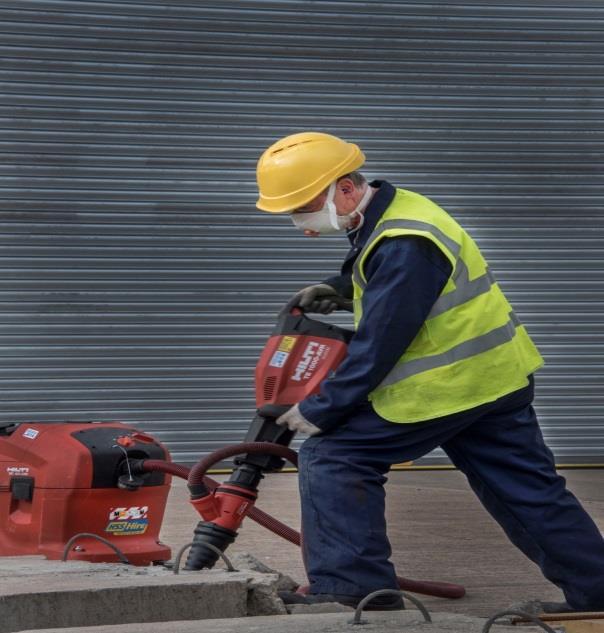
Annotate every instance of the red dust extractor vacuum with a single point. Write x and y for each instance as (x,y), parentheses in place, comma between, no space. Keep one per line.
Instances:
(58,480)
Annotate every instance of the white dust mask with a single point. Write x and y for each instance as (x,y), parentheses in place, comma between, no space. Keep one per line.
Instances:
(326,220)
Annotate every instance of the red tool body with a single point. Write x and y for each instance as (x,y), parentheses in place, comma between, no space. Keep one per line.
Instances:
(58,480)
(296,359)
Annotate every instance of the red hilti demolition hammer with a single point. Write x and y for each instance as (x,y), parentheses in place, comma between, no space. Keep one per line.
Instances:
(300,353)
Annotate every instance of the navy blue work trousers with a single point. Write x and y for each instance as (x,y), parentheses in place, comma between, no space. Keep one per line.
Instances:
(501,451)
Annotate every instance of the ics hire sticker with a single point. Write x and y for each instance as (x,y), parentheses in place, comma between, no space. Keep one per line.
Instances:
(127,521)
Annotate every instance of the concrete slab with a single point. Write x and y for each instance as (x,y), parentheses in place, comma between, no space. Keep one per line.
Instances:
(374,622)
(36,593)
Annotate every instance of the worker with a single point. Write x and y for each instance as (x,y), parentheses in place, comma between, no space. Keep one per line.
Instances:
(438,358)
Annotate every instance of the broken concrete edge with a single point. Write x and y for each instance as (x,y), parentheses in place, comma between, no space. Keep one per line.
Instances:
(244,560)
(262,597)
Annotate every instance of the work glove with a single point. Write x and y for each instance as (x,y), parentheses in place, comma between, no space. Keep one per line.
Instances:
(320,298)
(295,421)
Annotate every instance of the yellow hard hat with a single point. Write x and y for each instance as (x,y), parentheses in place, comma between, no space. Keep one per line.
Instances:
(296,169)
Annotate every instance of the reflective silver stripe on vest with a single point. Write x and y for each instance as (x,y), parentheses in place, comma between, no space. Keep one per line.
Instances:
(414,225)
(464,291)
(464,350)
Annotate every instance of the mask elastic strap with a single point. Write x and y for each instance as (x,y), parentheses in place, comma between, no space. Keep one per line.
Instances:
(359,209)
(329,203)
(357,227)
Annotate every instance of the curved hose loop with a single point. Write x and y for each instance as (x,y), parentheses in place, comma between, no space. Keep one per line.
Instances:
(74,538)
(527,616)
(184,548)
(389,592)
(199,470)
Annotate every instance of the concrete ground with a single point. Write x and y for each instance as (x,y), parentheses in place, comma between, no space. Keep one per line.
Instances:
(374,622)
(438,531)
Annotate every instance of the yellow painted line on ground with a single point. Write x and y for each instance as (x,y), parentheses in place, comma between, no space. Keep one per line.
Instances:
(415,467)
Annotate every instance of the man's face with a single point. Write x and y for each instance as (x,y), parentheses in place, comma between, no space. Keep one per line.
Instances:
(345,199)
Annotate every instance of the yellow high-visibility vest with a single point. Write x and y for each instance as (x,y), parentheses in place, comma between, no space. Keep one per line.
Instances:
(472,349)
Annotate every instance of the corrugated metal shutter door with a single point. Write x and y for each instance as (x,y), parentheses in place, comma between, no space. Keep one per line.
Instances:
(138,282)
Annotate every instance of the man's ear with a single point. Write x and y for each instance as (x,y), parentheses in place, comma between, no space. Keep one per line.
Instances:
(346,186)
